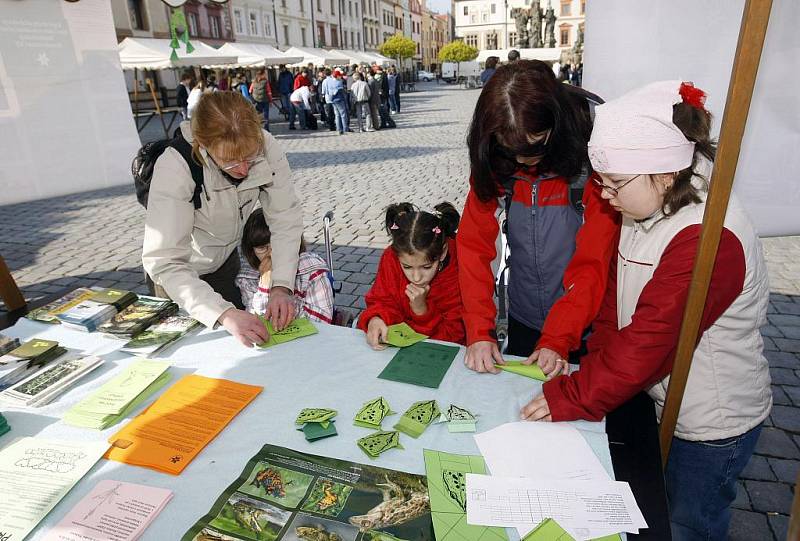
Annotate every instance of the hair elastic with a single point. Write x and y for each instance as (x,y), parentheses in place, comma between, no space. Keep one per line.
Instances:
(437,230)
(394,226)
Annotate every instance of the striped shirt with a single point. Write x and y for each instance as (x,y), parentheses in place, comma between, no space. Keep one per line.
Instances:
(313,294)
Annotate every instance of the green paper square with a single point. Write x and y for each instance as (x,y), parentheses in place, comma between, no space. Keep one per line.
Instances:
(298,328)
(315,431)
(424,364)
(402,335)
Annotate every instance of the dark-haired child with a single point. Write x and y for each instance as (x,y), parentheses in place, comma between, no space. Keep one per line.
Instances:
(313,295)
(417,281)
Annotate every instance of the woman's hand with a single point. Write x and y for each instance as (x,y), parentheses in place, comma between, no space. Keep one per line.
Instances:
(280,308)
(376,333)
(244,326)
(549,361)
(482,356)
(536,410)
(418,295)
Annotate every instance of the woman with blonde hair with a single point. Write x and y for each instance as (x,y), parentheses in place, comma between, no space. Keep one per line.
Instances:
(189,250)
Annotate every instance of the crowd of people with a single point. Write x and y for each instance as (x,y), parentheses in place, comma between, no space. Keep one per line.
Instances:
(603,204)
(347,99)
(565,73)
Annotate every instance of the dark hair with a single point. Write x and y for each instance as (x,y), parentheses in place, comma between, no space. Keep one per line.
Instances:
(413,230)
(491,62)
(256,233)
(695,123)
(513,55)
(328,72)
(521,99)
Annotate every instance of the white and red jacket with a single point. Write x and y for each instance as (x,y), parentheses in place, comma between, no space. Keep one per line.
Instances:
(636,333)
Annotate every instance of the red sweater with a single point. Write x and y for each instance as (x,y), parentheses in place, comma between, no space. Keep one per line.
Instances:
(387,299)
(584,279)
(300,81)
(623,362)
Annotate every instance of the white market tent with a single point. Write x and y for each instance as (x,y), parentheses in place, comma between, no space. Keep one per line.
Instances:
(546,54)
(257,55)
(154,54)
(363,57)
(318,57)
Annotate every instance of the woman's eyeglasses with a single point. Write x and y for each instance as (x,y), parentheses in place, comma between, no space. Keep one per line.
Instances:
(230,166)
(611,189)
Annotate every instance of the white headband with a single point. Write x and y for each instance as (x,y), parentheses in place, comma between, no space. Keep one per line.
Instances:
(634,134)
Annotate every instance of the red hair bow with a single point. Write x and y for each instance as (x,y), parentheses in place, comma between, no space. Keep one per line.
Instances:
(693,95)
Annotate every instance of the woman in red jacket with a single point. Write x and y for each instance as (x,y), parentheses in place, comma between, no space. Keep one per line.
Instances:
(417,281)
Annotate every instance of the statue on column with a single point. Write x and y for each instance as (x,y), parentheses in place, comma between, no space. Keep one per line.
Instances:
(550,26)
(521,17)
(536,25)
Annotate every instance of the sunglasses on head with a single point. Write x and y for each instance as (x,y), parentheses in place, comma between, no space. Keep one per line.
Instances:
(532,150)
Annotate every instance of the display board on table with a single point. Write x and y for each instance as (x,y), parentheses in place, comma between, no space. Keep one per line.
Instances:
(65,119)
(627,47)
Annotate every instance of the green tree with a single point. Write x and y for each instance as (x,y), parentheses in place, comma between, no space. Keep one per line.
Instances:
(457,51)
(398,47)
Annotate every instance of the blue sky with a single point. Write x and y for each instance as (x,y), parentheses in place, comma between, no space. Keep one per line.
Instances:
(440,6)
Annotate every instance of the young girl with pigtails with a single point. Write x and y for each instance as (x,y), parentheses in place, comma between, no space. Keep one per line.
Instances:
(417,280)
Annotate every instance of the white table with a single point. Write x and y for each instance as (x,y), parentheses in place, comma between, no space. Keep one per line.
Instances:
(334,369)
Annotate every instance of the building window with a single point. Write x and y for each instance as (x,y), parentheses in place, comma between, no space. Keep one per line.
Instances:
(320,35)
(356,10)
(350,8)
(583,7)
(334,36)
(319,5)
(191,20)
(137,15)
(333,7)
(494,9)
(358,38)
(238,21)
(566,8)
(471,39)
(473,18)
(268,25)
(213,23)
(466,11)
(302,6)
(303,35)
(512,39)
(286,34)
(565,29)
(484,17)
(254,24)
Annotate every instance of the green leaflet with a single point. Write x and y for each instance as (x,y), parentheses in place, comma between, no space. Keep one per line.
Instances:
(379,442)
(315,415)
(372,413)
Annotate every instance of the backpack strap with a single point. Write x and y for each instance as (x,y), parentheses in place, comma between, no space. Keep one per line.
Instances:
(185,149)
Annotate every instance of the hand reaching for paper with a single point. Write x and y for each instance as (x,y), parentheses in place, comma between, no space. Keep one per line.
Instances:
(377,332)
(246,327)
(482,356)
(536,410)
(549,361)
(280,308)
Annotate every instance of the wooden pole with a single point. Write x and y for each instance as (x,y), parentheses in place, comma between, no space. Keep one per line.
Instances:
(794,518)
(158,106)
(9,292)
(136,94)
(740,90)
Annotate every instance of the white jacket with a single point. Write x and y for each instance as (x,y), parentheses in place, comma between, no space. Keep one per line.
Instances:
(728,391)
(181,243)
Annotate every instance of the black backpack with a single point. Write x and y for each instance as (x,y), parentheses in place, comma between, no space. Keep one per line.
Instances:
(145,161)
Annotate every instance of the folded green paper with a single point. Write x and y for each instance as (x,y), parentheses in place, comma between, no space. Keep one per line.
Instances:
(550,530)
(372,413)
(318,431)
(379,442)
(528,370)
(315,415)
(298,328)
(417,418)
(402,335)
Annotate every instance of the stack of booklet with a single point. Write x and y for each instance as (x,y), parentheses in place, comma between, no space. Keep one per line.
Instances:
(3,425)
(7,344)
(49,382)
(100,307)
(138,316)
(49,312)
(26,359)
(118,397)
(160,336)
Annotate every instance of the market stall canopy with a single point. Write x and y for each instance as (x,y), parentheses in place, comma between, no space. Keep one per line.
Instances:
(154,54)
(546,54)
(256,55)
(354,57)
(318,57)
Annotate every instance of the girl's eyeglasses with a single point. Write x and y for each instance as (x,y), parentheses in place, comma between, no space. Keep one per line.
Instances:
(611,189)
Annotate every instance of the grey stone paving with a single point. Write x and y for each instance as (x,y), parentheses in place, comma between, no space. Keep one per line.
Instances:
(94,239)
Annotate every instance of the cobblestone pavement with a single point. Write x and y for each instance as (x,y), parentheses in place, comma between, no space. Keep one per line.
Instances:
(94,239)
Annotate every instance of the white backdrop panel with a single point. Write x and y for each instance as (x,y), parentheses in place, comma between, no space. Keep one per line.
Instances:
(630,43)
(65,121)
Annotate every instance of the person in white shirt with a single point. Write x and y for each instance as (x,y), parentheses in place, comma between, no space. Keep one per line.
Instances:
(301,101)
(194,97)
(361,95)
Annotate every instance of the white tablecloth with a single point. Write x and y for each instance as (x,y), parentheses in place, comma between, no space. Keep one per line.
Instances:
(334,369)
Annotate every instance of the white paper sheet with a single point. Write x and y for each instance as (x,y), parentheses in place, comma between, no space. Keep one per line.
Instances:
(586,509)
(36,474)
(541,451)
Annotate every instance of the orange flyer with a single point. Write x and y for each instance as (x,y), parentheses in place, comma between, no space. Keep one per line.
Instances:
(176,427)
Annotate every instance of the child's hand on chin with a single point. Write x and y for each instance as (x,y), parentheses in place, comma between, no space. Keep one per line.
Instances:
(377,332)
(418,296)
